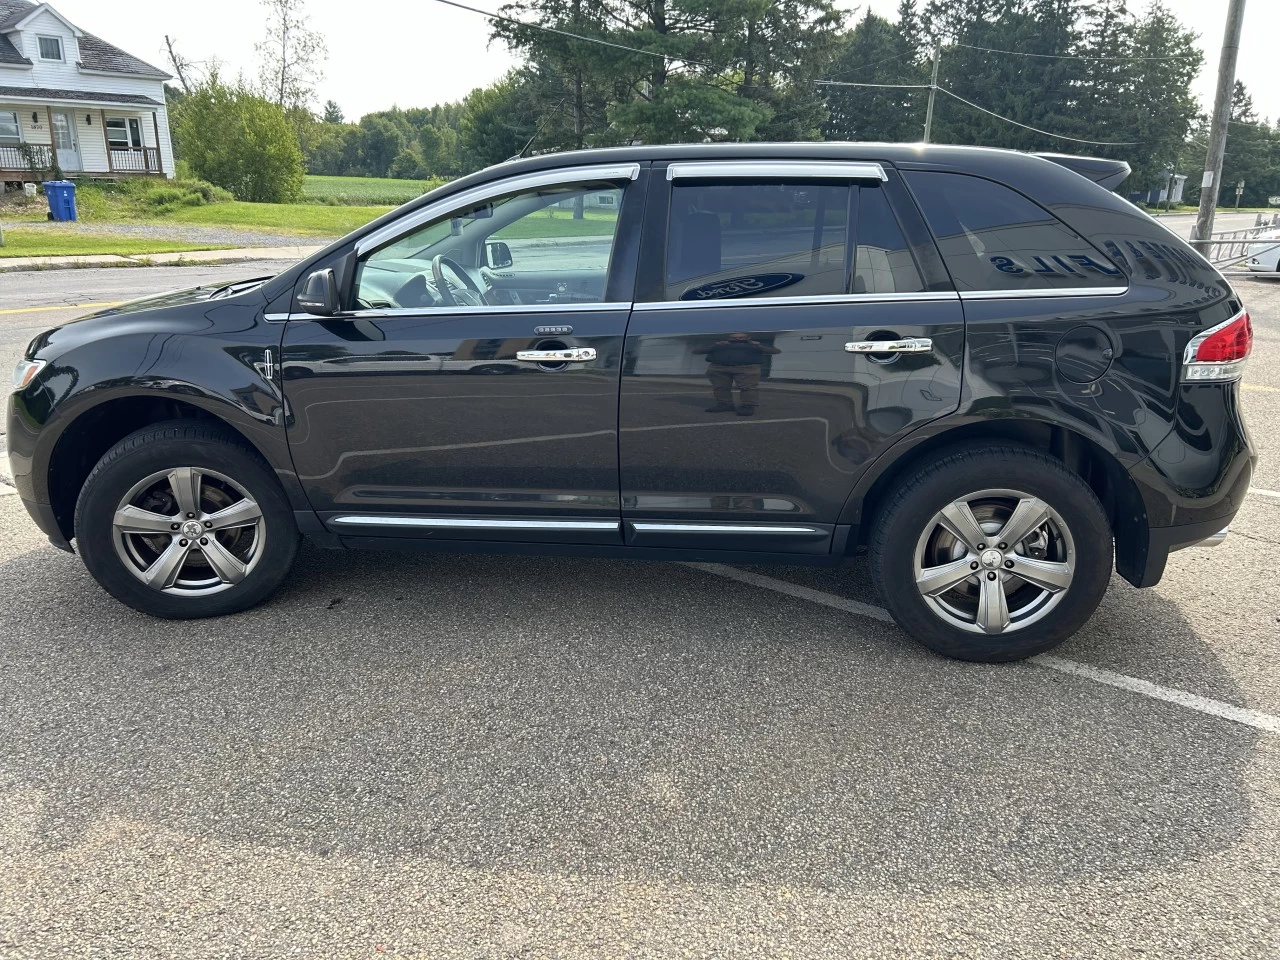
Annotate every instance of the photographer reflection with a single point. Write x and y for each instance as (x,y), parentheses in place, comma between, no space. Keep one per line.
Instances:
(735,363)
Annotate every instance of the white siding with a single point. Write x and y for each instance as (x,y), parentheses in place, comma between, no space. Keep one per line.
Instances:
(47,73)
(68,76)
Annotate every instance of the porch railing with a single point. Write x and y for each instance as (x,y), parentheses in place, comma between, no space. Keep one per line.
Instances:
(134,160)
(12,158)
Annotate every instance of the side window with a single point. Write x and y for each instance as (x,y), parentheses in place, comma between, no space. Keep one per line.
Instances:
(754,239)
(536,246)
(993,238)
(882,261)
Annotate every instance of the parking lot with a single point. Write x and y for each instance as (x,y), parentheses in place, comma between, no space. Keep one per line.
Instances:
(468,756)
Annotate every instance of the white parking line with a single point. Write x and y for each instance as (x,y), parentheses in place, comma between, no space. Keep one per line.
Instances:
(1259,492)
(1191,701)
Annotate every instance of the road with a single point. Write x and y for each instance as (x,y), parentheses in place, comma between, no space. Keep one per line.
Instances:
(464,756)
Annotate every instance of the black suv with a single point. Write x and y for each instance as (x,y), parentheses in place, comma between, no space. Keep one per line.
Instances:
(980,366)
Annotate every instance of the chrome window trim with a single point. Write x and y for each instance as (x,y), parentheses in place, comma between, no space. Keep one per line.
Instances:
(739,169)
(471,523)
(747,528)
(1046,292)
(495,188)
(835,298)
(502,308)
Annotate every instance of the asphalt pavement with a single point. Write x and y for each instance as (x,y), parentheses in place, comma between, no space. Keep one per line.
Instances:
(465,756)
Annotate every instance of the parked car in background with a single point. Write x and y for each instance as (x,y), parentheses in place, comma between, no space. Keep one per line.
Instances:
(1264,255)
(981,367)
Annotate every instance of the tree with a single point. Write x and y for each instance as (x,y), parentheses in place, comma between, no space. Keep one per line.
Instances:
(876,51)
(381,141)
(332,112)
(291,55)
(497,121)
(238,140)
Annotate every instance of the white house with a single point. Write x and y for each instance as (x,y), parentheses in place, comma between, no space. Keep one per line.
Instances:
(61,89)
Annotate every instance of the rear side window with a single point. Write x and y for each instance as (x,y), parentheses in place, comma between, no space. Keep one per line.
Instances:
(745,239)
(882,261)
(993,238)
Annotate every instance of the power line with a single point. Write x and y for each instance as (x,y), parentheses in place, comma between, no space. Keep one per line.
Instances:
(1057,136)
(1070,56)
(887,86)
(575,36)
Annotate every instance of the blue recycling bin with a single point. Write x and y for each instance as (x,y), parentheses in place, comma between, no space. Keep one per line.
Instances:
(62,199)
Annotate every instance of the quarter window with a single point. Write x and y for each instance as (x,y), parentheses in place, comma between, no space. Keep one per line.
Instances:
(548,245)
(10,132)
(50,48)
(993,238)
(743,239)
(882,262)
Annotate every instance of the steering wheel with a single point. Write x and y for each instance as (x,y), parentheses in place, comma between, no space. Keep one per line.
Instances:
(467,295)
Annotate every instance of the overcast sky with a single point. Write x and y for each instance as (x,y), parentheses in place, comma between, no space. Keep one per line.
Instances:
(418,52)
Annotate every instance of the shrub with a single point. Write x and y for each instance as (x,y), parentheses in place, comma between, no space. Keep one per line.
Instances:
(241,142)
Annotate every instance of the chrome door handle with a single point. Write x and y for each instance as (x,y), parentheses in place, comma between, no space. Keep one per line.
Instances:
(909,345)
(567,355)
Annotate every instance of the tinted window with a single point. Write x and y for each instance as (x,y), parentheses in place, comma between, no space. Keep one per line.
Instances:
(745,239)
(559,240)
(993,238)
(882,262)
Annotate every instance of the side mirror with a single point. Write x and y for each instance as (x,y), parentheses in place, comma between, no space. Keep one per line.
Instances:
(497,255)
(319,294)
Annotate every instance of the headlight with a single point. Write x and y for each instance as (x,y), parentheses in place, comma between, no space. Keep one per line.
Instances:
(26,371)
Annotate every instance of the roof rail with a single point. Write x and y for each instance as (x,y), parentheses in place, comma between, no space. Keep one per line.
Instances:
(1103,172)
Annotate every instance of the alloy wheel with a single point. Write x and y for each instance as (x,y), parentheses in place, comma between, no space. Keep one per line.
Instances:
(994,561)
(189,531)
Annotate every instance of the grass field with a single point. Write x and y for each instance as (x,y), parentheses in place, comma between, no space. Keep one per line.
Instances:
(364,191)
(300,218)
(554,222)
(19,242)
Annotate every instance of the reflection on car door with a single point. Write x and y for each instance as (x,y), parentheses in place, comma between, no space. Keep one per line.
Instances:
(426,421)
(750,400)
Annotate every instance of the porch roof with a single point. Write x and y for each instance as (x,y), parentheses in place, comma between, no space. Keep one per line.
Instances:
(91,97)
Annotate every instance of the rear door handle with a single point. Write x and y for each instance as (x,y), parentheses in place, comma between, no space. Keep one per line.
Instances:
(909,345)
(567,355)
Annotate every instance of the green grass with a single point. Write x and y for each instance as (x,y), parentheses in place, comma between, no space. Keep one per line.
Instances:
(301,218)
(26,242)
(364,191)
(554,222)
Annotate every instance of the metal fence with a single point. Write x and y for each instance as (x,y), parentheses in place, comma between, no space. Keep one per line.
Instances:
(1235,246)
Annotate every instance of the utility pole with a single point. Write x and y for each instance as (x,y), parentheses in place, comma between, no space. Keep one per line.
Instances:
(933,91)
(1209,185)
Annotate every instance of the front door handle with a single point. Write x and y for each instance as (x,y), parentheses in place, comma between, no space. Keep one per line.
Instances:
(567,355)
(909,345)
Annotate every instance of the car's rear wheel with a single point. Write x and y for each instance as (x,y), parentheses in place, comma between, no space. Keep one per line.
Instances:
(180,520)
(992,553)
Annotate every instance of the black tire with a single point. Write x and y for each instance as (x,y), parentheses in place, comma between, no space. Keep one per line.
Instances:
(955,474)
(165,446)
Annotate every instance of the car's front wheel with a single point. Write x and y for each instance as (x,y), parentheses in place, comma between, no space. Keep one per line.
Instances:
(180,520)
(992,553)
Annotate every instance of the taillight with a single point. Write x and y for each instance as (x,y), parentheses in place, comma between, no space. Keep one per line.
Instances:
(1219,353)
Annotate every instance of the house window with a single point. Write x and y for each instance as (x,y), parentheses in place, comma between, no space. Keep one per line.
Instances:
(605,200)
(123,133)
(50,48)
(10,132)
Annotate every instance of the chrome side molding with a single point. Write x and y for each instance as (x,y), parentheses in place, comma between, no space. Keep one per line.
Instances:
(471,523)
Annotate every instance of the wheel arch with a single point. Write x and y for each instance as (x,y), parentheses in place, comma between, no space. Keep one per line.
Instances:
(1098,467)
(96,429)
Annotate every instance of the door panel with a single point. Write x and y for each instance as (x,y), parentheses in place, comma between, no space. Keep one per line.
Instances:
(823,414)
(433,416)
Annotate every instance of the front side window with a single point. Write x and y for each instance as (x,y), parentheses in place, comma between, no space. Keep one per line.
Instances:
(10,132)
(546,245)
(50,48)
(745,239)
(993,238)
(882,261)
